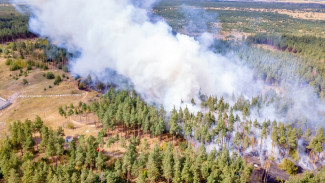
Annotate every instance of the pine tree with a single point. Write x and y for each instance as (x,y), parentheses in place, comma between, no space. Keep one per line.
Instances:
(173,123)
(231,122)
(153,164)
(186,173)
(263,132)
(91,177)
(247,142)
(274,136)
(177,178)
(128,159)
(118,168)
(282,135)
(317,142)
(83,175)
(91,155)
(13,176)
(74,178)
(28,144)
(38,124)
(307,135)
(44,134)
(160,127)
(100,138)
(50,149)
(299,133)
(292,140)
(237,141)
(80,156)
(167,163)
(320,135)
(141,178)
(28,169)
(100,161)
(59,147)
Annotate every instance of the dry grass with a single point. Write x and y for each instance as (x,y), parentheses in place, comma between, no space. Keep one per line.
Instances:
(307,15)
(46,108)
(302,1)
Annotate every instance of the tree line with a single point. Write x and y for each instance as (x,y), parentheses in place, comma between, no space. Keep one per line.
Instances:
(13,26)
(37,153)
(308,46)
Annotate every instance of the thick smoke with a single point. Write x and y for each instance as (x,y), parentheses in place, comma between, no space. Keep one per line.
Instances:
(118,43)
(117,35)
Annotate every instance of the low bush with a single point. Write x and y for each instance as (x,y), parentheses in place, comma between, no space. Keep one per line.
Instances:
(288,166)
(49,75)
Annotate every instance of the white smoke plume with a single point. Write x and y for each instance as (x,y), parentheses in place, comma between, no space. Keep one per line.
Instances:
(117,35)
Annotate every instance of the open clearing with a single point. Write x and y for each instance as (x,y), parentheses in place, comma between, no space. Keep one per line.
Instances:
(32,99)
(307,15)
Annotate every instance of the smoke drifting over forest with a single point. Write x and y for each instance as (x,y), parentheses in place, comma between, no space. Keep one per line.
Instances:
(119,36)
(117,42)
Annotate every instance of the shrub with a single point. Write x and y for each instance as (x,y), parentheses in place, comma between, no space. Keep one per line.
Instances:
(65,69)
(100,86)
(57,80)
(49,75)
(6,51)
(70,125)
(25,82)
(14,66)
(8,61)
(294,154)
(30,62)
(123,142)
(45,67)
(29,67)
(82,86)
(288,166)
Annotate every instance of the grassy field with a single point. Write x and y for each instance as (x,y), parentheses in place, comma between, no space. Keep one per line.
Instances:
(45,107)
(245,17)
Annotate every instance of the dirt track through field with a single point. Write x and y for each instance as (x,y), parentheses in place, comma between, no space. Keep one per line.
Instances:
(16,95)
(49,96)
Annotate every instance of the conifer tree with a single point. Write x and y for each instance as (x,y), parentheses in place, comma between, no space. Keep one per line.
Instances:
(100,161)
(128,159)
(153,165)
(292,139)
(80,156)
(74,178)
(173,123)
(167,163)
(246,142)
(274,136)
(160,127)
(38,124)
(263,132)
(13,176)
(186,173)
(282,136)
